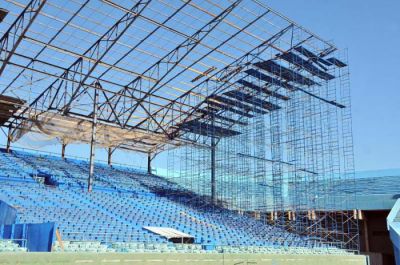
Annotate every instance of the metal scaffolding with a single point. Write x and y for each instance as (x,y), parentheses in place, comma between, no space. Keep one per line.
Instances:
(253,110)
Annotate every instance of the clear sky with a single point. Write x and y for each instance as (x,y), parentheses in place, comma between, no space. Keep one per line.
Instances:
(370,30)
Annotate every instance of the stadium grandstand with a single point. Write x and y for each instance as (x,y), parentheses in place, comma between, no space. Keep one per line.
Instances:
(237,121)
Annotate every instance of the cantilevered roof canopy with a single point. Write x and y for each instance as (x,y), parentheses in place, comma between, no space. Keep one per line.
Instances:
(157,66)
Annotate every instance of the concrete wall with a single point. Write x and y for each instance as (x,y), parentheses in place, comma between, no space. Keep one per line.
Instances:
(393,224)
(177,259)
(375,239)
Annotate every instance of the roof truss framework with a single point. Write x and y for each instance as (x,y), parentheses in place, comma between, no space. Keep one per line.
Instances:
(160,64)
(19,27)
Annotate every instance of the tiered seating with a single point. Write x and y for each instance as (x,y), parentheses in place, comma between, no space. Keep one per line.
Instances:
(10,246)
(123,202)
(81,246)
(10,167)
(77,217)
(135,247)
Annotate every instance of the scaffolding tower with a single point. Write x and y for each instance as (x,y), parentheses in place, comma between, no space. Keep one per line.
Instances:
(253,110)
(288,147)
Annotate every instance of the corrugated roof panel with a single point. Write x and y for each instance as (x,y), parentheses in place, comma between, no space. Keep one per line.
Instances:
(270,80)
(285,73)
(262,89)
(250,99)
(309,67)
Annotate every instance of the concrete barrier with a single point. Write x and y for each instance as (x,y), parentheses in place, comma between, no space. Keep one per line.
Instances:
(178,259)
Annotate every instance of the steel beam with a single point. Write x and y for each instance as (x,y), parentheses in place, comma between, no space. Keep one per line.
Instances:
(16,32)
(114,97)
(44,47)
(226,74)
(149,163)
(81,69)
(188,93)
(63,146)
(110,151)
(167,63)
(105,83)
(102,46)
(213,164)
(93,139)
(9,140)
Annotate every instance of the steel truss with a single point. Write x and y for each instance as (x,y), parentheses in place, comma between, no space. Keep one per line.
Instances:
(253,109)
(16,32)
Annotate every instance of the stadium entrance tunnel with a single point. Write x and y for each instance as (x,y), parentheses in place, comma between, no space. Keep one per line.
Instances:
(177,259)
(374,237)
(171,234)
(45,178)
(184,240)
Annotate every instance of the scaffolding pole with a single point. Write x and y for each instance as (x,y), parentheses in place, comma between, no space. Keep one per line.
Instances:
(279,145)
(213,181)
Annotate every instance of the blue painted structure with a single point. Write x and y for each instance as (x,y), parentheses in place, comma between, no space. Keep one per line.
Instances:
(8,214)
(374,189)
(35,237)
(123,201)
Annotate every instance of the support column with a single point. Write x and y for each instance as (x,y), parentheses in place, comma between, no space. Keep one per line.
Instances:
(366,237)
(213,182)
(149,163)
(63,150)
(110,151)
(8,140)
(93,140)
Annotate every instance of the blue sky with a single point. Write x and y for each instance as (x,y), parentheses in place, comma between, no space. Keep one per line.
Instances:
(371,32)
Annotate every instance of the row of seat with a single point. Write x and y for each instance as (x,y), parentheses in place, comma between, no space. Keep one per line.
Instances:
(87,246)
(10,246)
(124,201)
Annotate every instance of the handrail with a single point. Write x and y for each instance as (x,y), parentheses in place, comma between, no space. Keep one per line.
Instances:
(22,240)
(107,236)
